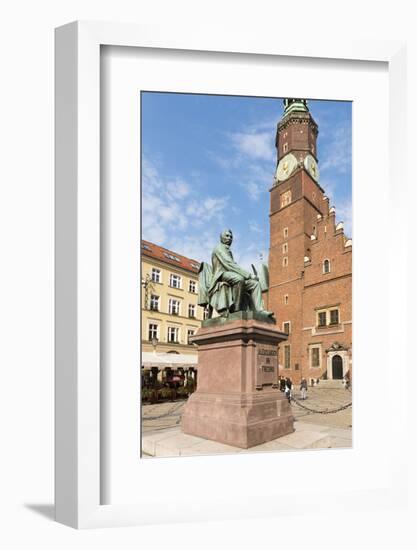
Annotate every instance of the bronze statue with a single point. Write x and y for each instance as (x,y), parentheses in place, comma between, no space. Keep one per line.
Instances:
(226,287)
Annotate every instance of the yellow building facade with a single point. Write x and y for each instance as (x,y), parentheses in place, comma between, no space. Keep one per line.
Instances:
(170,314)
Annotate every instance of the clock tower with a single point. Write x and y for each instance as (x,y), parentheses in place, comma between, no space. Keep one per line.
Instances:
(297,204)
(296,132)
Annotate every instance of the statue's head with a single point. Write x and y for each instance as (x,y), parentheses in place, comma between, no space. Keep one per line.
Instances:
(226,237)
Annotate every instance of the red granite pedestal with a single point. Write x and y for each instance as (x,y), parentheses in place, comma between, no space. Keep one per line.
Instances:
(237,401)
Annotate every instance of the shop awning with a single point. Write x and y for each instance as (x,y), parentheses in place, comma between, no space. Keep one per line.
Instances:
(173,360)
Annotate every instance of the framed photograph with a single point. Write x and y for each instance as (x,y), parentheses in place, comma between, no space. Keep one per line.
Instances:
(211,162)
(164,140)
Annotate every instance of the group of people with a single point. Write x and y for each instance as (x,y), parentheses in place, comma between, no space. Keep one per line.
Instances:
(285,385)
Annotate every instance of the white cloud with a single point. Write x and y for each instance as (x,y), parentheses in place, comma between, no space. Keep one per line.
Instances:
(154,233)
(251,256)
(256,179)
(172,210)
(248,158)
(179,189)
(253,226)
(214,205)
(197,245)
(337,153)
(254,145)
(206,209)
(254,189)
(228,162)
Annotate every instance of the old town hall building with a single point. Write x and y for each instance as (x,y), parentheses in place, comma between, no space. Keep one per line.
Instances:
(310,258)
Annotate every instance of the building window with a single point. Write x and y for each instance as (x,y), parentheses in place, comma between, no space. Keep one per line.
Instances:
(192,287)
(286,299)
(191,310)
(315,357)
(334,316)
(156,275)
(321,319)
(285,248)
(152,331)
(286,198)
(326,266)
(175,281)
(286,327)
(328,317)
(285,232)
(173,306)
(285,261)
(190,332)
(285,147)
(154,302)
(173,335)
(287,357)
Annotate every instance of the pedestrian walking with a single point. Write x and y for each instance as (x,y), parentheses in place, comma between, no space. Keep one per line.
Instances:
(303,388)
(347,380)
(288,386)
(282,383)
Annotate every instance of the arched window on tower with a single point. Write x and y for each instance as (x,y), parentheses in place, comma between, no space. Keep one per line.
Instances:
(326,266)
(285,198)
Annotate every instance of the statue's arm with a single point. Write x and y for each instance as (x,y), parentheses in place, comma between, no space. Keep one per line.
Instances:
(230,265)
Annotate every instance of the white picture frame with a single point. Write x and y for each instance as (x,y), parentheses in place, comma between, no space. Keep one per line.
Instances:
(79,410)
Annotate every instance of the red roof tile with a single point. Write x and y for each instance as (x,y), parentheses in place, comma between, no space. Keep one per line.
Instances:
(169,257)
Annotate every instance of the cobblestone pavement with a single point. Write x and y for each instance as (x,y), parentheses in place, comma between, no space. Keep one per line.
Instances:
(170,413)
(167,415)
(323,399)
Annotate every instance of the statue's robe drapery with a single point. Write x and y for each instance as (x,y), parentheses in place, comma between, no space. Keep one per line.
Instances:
(219,284)
(222,261)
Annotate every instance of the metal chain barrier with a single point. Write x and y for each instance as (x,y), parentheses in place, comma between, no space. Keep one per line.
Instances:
(171,411)
(178,406)
(316,411)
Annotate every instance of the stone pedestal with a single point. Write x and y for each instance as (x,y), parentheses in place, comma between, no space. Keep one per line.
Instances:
(237,401)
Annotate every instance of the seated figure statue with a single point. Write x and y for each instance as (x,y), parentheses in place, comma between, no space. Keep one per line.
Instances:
(226,287)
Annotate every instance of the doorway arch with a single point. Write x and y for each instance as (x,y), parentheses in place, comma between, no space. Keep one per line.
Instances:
(337,367)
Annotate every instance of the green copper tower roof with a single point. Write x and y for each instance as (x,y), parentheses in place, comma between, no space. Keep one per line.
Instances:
(295,105)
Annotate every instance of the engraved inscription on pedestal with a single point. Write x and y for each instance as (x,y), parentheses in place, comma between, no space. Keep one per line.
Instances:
(266,366)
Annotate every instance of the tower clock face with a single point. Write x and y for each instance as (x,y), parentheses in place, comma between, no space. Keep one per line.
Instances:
(310,165)
(286,167)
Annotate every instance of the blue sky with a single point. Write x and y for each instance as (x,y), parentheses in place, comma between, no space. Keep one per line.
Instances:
(208,163)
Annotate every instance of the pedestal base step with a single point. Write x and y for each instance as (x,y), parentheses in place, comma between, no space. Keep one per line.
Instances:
(172,442)
(238,420)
